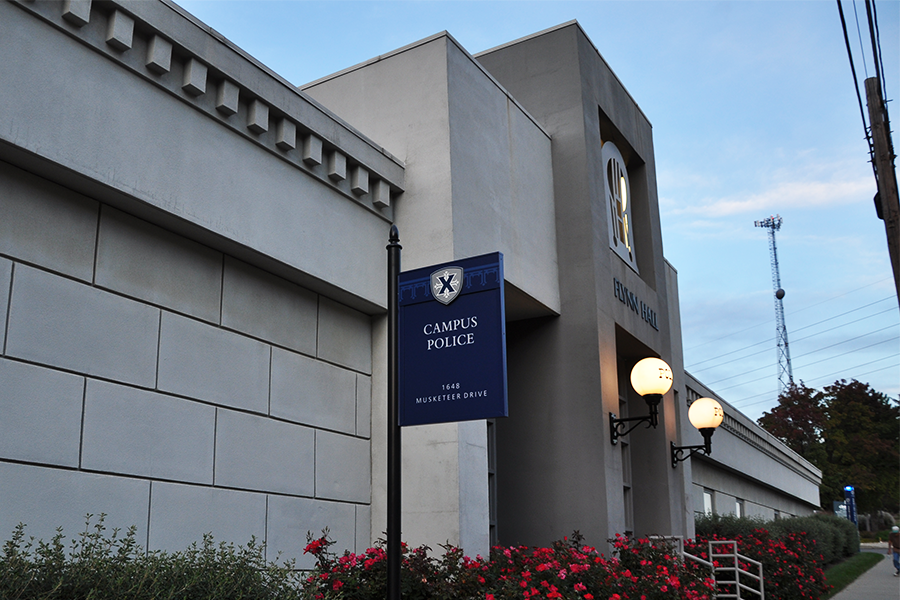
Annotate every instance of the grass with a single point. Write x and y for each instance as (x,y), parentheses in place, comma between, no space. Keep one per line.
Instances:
(843,574)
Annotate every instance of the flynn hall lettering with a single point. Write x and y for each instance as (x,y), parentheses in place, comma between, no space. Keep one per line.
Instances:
(628,298)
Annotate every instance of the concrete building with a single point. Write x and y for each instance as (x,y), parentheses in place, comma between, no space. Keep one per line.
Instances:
(750,473)
(192,274)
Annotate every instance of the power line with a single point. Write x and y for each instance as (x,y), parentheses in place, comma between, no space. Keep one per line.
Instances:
(727,362)
(836,327)
(847,313)
(893,339)
(727,335)
(876,46)
(794,312)
(862,49)
(800,310)
(862,112)
(694,370)
(807,354)
(819,378)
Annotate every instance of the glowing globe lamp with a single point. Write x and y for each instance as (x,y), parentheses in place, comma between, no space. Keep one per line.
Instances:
(651,376)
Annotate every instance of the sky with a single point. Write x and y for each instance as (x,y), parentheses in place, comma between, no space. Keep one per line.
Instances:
(754,112)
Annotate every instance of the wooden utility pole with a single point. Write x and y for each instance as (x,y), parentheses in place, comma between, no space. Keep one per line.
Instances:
(886,202)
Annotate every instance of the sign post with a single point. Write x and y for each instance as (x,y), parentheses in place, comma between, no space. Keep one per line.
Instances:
(446,359)
(394,555)
(850,502)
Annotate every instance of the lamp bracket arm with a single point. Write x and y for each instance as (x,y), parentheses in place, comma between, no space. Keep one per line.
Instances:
(682,453)
(617,426)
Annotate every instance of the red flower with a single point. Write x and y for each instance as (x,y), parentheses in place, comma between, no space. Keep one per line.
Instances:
(315,546)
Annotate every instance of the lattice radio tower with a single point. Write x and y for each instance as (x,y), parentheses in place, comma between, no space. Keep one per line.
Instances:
(785,373)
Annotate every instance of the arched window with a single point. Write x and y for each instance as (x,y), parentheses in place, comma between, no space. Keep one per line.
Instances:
(618,204)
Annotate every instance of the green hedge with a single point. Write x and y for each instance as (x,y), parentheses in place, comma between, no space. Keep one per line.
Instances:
(835,538)
(98,565)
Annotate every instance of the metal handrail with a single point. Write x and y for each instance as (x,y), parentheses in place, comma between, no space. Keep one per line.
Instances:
(735,566)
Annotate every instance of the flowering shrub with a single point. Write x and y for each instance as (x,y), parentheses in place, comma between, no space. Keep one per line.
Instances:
(568,569)
(835,538)
(103,565)
(791,563)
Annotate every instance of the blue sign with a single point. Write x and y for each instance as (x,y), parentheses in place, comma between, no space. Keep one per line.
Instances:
(850,502)
(453,342)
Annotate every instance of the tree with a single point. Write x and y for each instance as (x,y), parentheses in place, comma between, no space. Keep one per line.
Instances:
(851,433)
(798,421)
(861,438)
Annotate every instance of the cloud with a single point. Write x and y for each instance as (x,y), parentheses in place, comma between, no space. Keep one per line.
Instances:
(781,195)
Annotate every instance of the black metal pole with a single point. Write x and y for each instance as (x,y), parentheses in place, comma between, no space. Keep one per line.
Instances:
(394,555)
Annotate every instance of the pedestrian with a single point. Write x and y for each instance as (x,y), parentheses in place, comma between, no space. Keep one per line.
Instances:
(894,548)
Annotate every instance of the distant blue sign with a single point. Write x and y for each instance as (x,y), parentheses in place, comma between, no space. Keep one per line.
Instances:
(850,502)
(453,342)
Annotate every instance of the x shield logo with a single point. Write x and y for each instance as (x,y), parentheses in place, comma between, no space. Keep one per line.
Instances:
(446,284)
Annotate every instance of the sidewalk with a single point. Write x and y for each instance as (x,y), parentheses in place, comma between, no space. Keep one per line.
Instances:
(878,583)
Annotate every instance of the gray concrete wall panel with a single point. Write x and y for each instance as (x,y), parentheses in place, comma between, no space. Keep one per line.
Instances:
(363,406)
(680,423)
(200,185)
(761,512)
(697,497)
(431,484)
(256,80)
(291,519)
(182,514)
(267,307)
(529,233)
(735,453)
(473,491)
(363,527)
(478,117)
(41,414)
(343,468)
(379,443)
(305,390)
(345,336)
(258,453)
(136,432)
(144,261)
(63,323)
(46,224)
(45,498)
(503,192)
(211,364)
(413,125)
(483,180)
(5,287)
(759,498)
